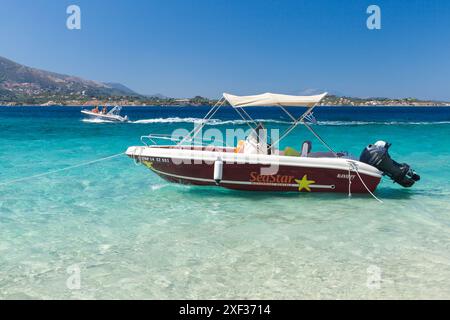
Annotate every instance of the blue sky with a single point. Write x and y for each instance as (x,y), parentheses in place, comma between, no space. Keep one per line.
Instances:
(206,47)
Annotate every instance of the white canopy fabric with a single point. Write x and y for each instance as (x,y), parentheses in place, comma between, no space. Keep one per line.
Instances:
(273,99)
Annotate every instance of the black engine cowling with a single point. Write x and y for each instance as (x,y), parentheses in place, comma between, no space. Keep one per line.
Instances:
(377,155)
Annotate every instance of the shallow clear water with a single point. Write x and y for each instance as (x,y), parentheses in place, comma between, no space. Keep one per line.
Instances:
(133,235)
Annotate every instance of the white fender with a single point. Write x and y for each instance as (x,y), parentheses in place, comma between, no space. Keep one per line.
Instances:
(218,170)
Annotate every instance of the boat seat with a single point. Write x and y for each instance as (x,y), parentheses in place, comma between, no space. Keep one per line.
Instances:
(306,148)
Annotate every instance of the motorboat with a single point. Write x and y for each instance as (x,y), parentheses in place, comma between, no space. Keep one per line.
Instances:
(113,115)
(257,164)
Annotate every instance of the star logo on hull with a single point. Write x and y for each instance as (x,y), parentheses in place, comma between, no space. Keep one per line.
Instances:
(304,183)
(148,164)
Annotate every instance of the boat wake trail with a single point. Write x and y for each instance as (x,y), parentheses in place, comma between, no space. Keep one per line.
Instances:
(218,122)
(382,123)
(210,122)
(167,120)
(324,123)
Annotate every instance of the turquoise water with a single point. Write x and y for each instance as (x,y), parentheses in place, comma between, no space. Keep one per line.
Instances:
(133,235)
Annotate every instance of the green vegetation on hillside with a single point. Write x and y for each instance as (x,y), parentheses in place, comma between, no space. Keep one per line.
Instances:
(22,85)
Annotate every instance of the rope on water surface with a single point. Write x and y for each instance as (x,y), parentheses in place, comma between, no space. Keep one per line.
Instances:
(352,165)
(59,170)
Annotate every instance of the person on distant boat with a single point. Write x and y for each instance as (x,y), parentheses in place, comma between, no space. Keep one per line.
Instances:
(95,110)
(104,110)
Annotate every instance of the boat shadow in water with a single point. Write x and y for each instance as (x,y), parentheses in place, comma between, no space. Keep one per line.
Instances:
(394,193)
(400,194)
(386,193)
(201,192)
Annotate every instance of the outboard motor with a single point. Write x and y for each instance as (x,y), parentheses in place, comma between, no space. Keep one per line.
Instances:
(377,155)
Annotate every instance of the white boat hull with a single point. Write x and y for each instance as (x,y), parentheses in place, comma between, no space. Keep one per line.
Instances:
(106,117)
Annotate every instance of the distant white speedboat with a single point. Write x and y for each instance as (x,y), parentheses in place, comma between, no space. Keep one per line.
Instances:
(112,115)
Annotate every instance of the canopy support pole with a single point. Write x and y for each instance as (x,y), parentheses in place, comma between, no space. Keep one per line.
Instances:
(301,120)
(319,138)
(248,116)
(194,132)
(245,120)
(294,124)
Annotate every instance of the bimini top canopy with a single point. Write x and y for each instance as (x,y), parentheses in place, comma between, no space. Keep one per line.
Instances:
(272,99)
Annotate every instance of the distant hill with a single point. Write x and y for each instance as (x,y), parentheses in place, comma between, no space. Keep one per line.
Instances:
(19,82)
(156,96)
(22,85)
(120,87)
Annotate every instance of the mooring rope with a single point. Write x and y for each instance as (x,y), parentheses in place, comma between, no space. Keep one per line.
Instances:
(349,182)
(355,168)
(59,170)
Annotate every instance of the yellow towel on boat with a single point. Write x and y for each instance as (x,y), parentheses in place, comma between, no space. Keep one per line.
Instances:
(291,152)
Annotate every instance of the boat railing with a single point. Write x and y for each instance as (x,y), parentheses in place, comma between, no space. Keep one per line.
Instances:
(151,139)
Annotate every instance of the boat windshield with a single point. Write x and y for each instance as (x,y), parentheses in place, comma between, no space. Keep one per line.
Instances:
(115,111)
